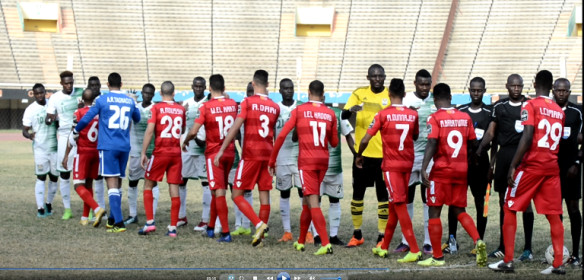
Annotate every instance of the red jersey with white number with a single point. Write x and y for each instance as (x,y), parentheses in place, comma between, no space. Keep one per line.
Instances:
(260,114)
(316,125)
(87,141)
(453,129)
(217,115)
(547,119)
(398,125)
(168,118)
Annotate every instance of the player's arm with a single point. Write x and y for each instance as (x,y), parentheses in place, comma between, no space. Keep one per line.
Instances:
(524,144)
(487,138)
(288,126)
(51,113)
(135,114)
(230,136)
(147,138)
(66,157)
(431,147)
(334,137)
(91,113)
(27,134)
(373,129)
(191,135)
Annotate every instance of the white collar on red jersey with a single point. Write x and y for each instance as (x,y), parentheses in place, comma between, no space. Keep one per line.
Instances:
(398,105)
(314,101)
(219,97)
(449,108)
(261,94)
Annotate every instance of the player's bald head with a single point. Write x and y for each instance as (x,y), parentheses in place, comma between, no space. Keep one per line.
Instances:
(167,88)
(514,77)
(88,96)
(562,81)
(375,67)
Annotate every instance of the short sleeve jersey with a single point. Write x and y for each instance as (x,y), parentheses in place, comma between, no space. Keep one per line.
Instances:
(218,115)
(45,138)
(452,129)
(372,103)
(425,107)
(138,130)
(260,114)
(568,153)
(344,128)
(64,105)
(507,115)
(397,126)
(289,152)
(547,119)
(168,118)
(481,118)
(87,141)
(192,113)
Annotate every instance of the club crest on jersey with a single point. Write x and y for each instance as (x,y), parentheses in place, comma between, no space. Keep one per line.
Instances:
(372,123)
(384,101)
(524,115)
(510,203)
(429,128)
(450,111)
(238,184)
(433,198)
(212,183)
(399,108)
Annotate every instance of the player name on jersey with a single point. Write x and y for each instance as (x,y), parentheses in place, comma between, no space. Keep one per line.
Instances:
(551,113)
(453,123)
(264,108)
(318,115)
(113,99)
(221,110)
(400,118)
(174,111)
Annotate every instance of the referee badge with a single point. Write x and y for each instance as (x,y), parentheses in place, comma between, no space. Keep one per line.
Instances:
(524,115)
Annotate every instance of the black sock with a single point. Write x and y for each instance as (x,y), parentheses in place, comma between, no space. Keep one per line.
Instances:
(41,211)
(49,207)
(501,218)
(357,234)
(528,228)
(452,223)
(576,228)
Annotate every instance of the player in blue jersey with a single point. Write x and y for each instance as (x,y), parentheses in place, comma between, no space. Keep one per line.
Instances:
(115,110)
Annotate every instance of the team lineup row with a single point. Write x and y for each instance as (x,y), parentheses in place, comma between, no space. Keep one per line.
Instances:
(386,155)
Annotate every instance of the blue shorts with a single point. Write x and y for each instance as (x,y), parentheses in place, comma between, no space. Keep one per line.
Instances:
(113,163)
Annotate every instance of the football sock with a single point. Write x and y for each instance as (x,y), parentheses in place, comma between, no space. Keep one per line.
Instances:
(182,192)
(509,228)
(320,225)
(238,217)
(246,209)
(249,198)
(410,207)
(99,192)
(406,226)
(426,232)
(212,212)
(53,186)
(174,209)
(305,218)
(285,213)
(481,221)
(334,218)
(148,201)
(265,213)
(115,202)
(39,193)
(66,193)
(435,229)
(133,200)
(576,229)
(87,197)
(389,228)
(85,210)
(501,232)
(452,222)
(221,205)
(468,225)
(357,213)
(382,215)
(528,218)
(206,204)
(557,233)
(155,196)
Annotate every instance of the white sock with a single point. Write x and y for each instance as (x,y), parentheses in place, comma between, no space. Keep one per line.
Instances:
(66,193)
(39,193)
(53,186)
(217,223)
(155,195)
(238,216)
(426,218)
(206,204)
(133,200)
(245,223)
(334,218)
(182,193)
(99,189)
(410,207)
(285,213)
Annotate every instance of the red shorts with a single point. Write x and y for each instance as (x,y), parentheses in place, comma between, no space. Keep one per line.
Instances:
(546,192)
(85,166)
(397,185)
(252,172)
(217,175)
(446,193)
(310,181)
(159,165)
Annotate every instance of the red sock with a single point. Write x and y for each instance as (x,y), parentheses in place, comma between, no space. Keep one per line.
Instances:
(148,204)
(87,198)
(265,213)
(221,206)
(213,212)
(246,209)
(435,231)
(320,225)
(390,227)
(557,232)
(305,218)
(405,223)
(469,225)
(509,230)
(174,208)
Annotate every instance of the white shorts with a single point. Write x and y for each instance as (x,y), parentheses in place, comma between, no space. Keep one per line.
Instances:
(45,162)
(193,167)
(332,185)
(135,170)
(416,177)
(287,176)
(62,140)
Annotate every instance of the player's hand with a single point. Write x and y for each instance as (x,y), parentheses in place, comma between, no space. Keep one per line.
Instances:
(185,145)
(511,176)
(272,171)
(359,161)
(356,108)
(143,161)
(200,143)
(425,179)
(217,158)
(490,173)
(573,171)
(73,136)
(31,136)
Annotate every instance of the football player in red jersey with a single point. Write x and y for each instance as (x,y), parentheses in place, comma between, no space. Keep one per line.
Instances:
(86,162)
(535,174)
(167,121)
(316,126)
(217,115)
(399,129)
(259,115)
(450,133)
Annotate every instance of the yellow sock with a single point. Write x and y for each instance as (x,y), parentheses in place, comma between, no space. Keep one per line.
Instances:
(357,213)
(382,216)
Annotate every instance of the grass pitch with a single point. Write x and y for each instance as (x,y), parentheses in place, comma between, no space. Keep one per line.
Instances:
(54,249)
